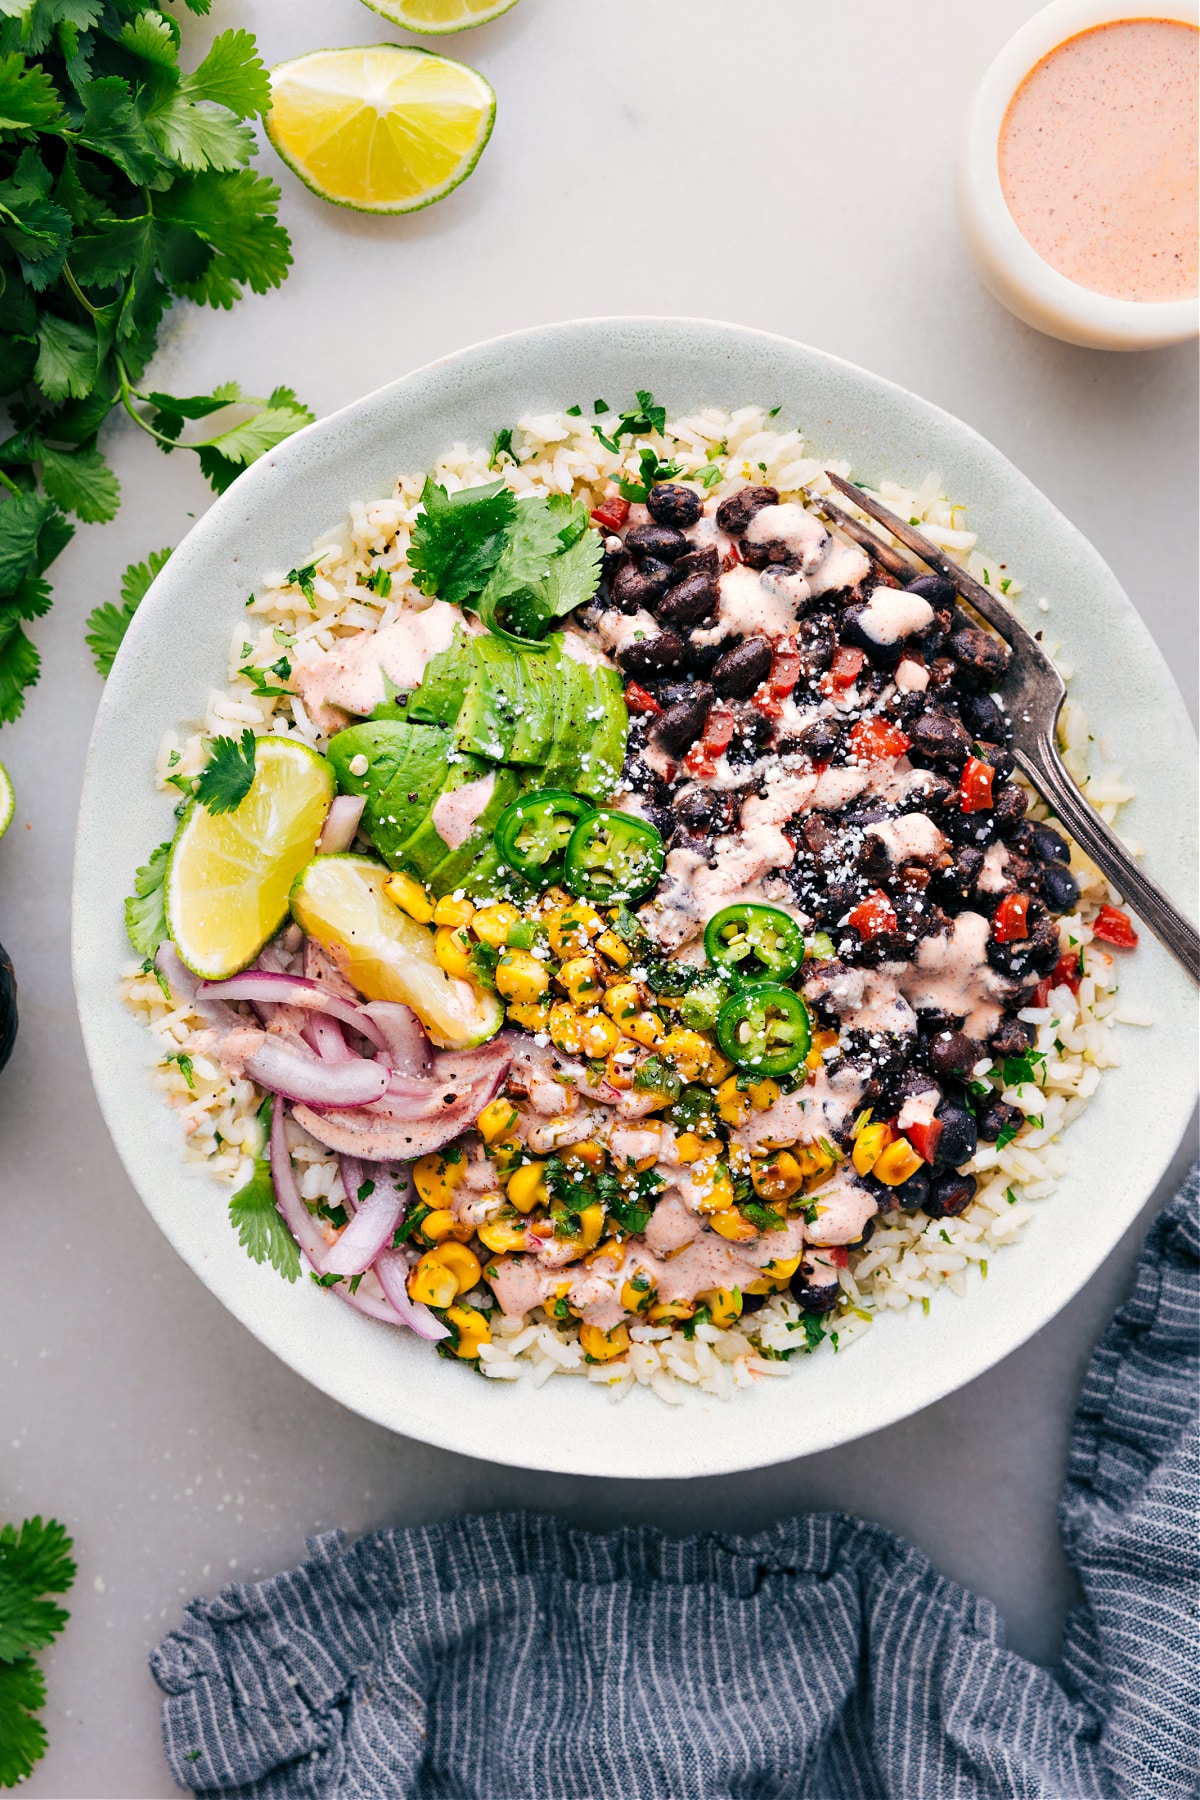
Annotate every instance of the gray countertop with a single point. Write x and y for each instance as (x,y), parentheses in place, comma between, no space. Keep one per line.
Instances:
(780,164)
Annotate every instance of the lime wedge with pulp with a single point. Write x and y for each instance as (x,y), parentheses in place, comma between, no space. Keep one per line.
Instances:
(8,800)
(229,874)
(339,901)
(384,128)
(440,17)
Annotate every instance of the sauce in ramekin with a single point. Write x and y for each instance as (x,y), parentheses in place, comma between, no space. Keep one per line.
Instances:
(1098,159)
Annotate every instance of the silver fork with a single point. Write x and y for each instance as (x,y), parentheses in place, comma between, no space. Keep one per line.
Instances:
(1032,693)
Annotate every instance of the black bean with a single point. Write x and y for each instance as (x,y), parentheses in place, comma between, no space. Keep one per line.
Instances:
(649,657)
(820,740)
(1060,890)
(743,668)
(953,1053)
(943,674)
(734,514)
(1048,846)
(680,725)
(1009,806)
(815,644)
(669,504)
(689,600)
(752,1302)
(997,757)
(950,1195)
(855,633)
(982,659)
(959,879)
(704,809)
(959,1138)
(996,1117)
(1012,1037)
(697,562)
(983,717)
(939,592)
(1035,954)
(660,541)
(633,587)
(941,738)
(913,1194)
(701,658)
(820,1298)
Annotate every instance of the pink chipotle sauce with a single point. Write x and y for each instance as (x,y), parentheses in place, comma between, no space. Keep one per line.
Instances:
(1098,159)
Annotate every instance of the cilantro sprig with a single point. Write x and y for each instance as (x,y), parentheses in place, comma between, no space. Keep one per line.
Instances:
(35,1561)
(255,1217)
(124,186)
(107,624)
(228,775)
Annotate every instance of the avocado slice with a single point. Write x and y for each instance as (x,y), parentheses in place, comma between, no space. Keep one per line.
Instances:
(424,847)
(388,745)
(574,696)
(440,695)
(487,719)
(451,870)
(607,753)
(404,804)
(534,733)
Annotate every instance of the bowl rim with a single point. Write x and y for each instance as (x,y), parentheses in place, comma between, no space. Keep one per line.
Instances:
(443,1426)
(1131,324)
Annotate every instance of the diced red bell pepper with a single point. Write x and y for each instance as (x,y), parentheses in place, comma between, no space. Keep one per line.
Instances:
(611,513)
(1112,926)
(873,915)
(873,740)
(701,759)
(733,556)
(924,1138)
(844,669)
(1067,972)
(639,701)
(1012,919)
(975,785)
(784,673)
(1041,993)
(838,1255)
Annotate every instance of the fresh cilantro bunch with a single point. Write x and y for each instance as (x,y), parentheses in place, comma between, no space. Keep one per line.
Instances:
(520,564)
(35,1560)
(124,185)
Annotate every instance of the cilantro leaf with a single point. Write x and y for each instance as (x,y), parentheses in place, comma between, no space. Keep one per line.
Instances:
(20,666)
(21,521)
(82,482)
(22,1737)
(198,135)
(228,775)
(262,1233)
(114,128)
(107,624)
(233,75)
(234,215)
(146,907)
(28,98)
(35,1560)
(502,445)
(224,456)
(570,581)
(459,538)
(66,364)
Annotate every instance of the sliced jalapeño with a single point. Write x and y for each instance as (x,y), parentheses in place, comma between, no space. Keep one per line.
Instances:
(764,1027)
(613,856)
(754,942)
(532,834)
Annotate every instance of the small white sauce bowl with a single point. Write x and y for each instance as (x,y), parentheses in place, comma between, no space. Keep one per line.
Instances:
(1005,260)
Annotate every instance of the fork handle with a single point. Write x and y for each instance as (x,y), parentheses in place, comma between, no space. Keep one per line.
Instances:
(1044,767)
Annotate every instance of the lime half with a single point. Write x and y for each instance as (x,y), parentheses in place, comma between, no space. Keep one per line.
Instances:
(8,800)
(384,128)
(230,873)
(440,17)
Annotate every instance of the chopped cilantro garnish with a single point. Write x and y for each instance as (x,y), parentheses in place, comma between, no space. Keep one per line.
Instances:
(228,775)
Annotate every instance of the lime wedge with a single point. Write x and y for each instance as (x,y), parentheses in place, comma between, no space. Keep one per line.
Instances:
(440,17)
(8,800)
(229,874)
(339,901)
(385,128)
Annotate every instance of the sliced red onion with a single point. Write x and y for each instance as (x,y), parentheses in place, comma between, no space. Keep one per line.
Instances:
(366,1303)
(296,1215)
(324,1035)
(392,1271)
(402,1128)
(295,990)
(406,1046)
(341,825)
(193,990)
(284,1071)
(272,958)
(371,1228)
(352,1179)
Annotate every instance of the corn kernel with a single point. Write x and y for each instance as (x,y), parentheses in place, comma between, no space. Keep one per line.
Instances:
(408,894)
(527,1189)
(730,1224)
(622,1001)
(733,1103)
(870,1141)
(591,1225)
(520,976)
(437,1225)
(589,1152)
(898,1161)
(716,1187)
(449,911)
(580,980)
(531,1015)
(719,1067)
(610,947)
(433,1282)
(496,1120)
(821,1040)
(689,1148)
(464,1263)
(611,1250)
(573,927)
(602,1346)
(599,1036)
(637,1293)
(492,924)
(779,1178)
(780,1269)
(473,1330)
(502,1235)
(690,1052)
(566,1027)
(435,1177)
(724,1306)
(667,1311)
(453,950)
(814,1159)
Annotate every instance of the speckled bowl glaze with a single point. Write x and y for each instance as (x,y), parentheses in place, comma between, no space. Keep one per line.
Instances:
(175,652)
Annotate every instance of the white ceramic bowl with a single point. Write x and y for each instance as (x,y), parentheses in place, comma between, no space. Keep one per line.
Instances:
(1005,260)
(175,652)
